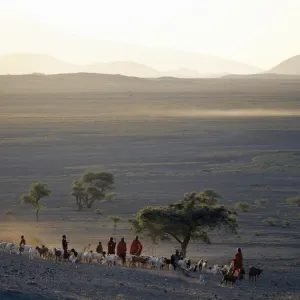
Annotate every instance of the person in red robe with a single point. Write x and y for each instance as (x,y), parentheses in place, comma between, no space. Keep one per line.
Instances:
(111,246)
(238,263)
(136,247)
(121,250)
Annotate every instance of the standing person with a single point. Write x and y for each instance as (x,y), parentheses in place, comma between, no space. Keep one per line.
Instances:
(111,246)
(99,248)
(174,259)
(22,244)
(238,263)
(136,247)
(121,250)
(65,246)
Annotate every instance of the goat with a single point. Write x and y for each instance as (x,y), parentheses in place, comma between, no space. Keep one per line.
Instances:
(156,262)
(229,278)
(202,265)
(254,273)
(58,254)
(42,251)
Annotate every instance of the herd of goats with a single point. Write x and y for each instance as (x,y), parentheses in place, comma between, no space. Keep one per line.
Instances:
(88,256)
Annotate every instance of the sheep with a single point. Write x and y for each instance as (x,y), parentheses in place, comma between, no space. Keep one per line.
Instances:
(11,248)
(156,262)
(96,256)
(76,256)
(87,256)
(33,253)
(110,260)
(51,254)
(2,246)
(182,264)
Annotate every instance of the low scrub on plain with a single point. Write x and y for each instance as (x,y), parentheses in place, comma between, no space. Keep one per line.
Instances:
(242,206)
(270,221)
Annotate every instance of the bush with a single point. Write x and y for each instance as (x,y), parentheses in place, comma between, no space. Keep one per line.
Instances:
(242,206)
(294,200)
(286,223)
(9,212)
(270,221)
(98,211)
(261,202)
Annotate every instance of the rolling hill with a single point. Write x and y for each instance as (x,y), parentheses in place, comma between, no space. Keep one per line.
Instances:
(204,66)
(290,66)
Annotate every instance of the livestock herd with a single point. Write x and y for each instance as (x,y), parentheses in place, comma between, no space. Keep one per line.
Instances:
(88,256)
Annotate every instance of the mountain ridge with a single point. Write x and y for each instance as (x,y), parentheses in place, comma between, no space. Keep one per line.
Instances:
(28,63)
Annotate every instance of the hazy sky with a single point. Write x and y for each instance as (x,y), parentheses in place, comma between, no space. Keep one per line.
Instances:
(257,32)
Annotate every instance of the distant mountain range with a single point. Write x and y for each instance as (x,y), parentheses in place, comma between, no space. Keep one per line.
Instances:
(39,63)
(290,66)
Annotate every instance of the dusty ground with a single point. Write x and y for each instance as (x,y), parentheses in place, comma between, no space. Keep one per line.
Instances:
(24,279)
(136,130)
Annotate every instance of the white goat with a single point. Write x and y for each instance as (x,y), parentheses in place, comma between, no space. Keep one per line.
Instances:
(156,262)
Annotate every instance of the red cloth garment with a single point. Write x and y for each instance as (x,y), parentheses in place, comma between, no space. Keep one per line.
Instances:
(136,248)
(121,249)
(238,257)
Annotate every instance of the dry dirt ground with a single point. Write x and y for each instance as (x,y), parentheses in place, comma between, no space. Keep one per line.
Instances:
(157,140)
(24,279)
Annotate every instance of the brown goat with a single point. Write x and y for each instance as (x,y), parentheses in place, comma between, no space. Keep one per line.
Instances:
(229,278)
(58,254)
(42,251)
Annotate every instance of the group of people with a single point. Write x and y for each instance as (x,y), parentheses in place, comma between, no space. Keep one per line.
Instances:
(237,265)
(135,248)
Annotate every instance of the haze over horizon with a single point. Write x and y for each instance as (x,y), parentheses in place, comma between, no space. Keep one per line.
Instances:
(256,33)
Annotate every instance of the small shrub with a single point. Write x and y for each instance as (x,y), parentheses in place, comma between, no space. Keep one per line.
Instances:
(270,221)
(286,223)
(98,211)
(261,202)
(294,200)
(242,206)
(9,212)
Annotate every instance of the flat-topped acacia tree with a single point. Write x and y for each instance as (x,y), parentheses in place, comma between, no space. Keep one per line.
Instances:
(93,186)
(188,219)
(37,192)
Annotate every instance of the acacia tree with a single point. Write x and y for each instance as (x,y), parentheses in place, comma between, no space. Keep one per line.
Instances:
(115,221)
(189,219)
(209,197)
(38,190)
(93,186)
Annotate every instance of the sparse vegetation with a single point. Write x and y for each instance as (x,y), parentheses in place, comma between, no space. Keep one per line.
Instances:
(115,221)
(286,223)
(189,219)
(261,202)
(270,221)
(294,200)
(242,206)
(37,192)
(93,187)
